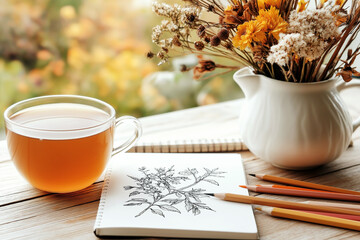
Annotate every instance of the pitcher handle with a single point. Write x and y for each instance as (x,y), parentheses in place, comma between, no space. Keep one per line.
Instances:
(344,85)
(132,140)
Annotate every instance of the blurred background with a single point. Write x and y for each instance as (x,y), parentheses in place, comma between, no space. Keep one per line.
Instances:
(95,48)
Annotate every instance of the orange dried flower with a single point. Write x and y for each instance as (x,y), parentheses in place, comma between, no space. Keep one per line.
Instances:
(302,5)
(339,2)
(265,4)
(237,14)
(248,33)
(273,22)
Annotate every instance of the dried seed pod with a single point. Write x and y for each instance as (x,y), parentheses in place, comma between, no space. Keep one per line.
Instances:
(228,45)
(223,34)
(208,65)
(211,8)
(199,45)
(201,31)
(150,54)
(191,18)
(215,41)
(165,49)
(176,41)
(183,68)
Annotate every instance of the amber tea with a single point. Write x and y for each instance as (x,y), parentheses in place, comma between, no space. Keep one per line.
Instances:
(61,147)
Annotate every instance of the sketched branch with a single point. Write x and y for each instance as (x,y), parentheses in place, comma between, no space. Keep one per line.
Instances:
(160,191)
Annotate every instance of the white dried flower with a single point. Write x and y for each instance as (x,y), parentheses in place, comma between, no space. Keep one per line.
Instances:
(156,33)
(166,43)
(166,26)
(189,16)
(319,22)
(308,35)
(166,10)
(185,16)
(181,21)
(287,45)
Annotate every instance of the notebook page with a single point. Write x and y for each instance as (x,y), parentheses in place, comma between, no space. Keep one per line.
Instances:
(163,195)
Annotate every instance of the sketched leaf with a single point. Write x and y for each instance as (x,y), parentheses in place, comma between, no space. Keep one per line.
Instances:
(205,207)
(133,204)
(128,187)
(178,194)
(143,200)
(188,205)
(196,211)
(212,181)
(173,201)
(198,190)
(169,208)
(157,196)
(207,170)
(134,178)
(195,197)
(158,212)
(134,193)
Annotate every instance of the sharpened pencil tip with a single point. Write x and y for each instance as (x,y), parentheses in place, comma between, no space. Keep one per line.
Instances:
(251,174)
(243,186)
(210,194)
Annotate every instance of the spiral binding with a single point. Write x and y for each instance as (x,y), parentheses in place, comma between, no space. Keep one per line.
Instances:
(191,145)
(104,193)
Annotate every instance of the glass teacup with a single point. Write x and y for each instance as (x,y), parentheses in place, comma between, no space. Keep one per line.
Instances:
(61,143)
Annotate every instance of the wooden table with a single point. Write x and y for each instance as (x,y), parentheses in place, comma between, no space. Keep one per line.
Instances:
(28,213)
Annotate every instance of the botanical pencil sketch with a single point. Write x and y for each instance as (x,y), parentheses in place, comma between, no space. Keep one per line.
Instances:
(164,190)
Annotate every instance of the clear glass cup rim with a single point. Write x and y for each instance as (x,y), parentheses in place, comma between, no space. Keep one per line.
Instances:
(42,100)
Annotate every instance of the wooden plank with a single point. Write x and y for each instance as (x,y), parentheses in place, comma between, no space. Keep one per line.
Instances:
(72,216)
(41,206)
(68,223)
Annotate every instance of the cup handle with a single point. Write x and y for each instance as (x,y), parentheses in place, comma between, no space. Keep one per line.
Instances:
(132,140)
(344,85)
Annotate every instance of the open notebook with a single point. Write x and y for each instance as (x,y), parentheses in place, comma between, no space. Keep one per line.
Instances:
(162,195)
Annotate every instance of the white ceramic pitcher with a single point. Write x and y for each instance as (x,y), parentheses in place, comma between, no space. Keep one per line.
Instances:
(294,125)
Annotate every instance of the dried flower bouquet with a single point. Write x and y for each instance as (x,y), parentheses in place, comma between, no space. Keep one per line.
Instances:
(281,39)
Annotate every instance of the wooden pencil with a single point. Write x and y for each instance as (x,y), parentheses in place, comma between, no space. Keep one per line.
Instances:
(281,203)
(291,187)
(303,183)
(344,216)
(302,193)
(311,217)
(333,204)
